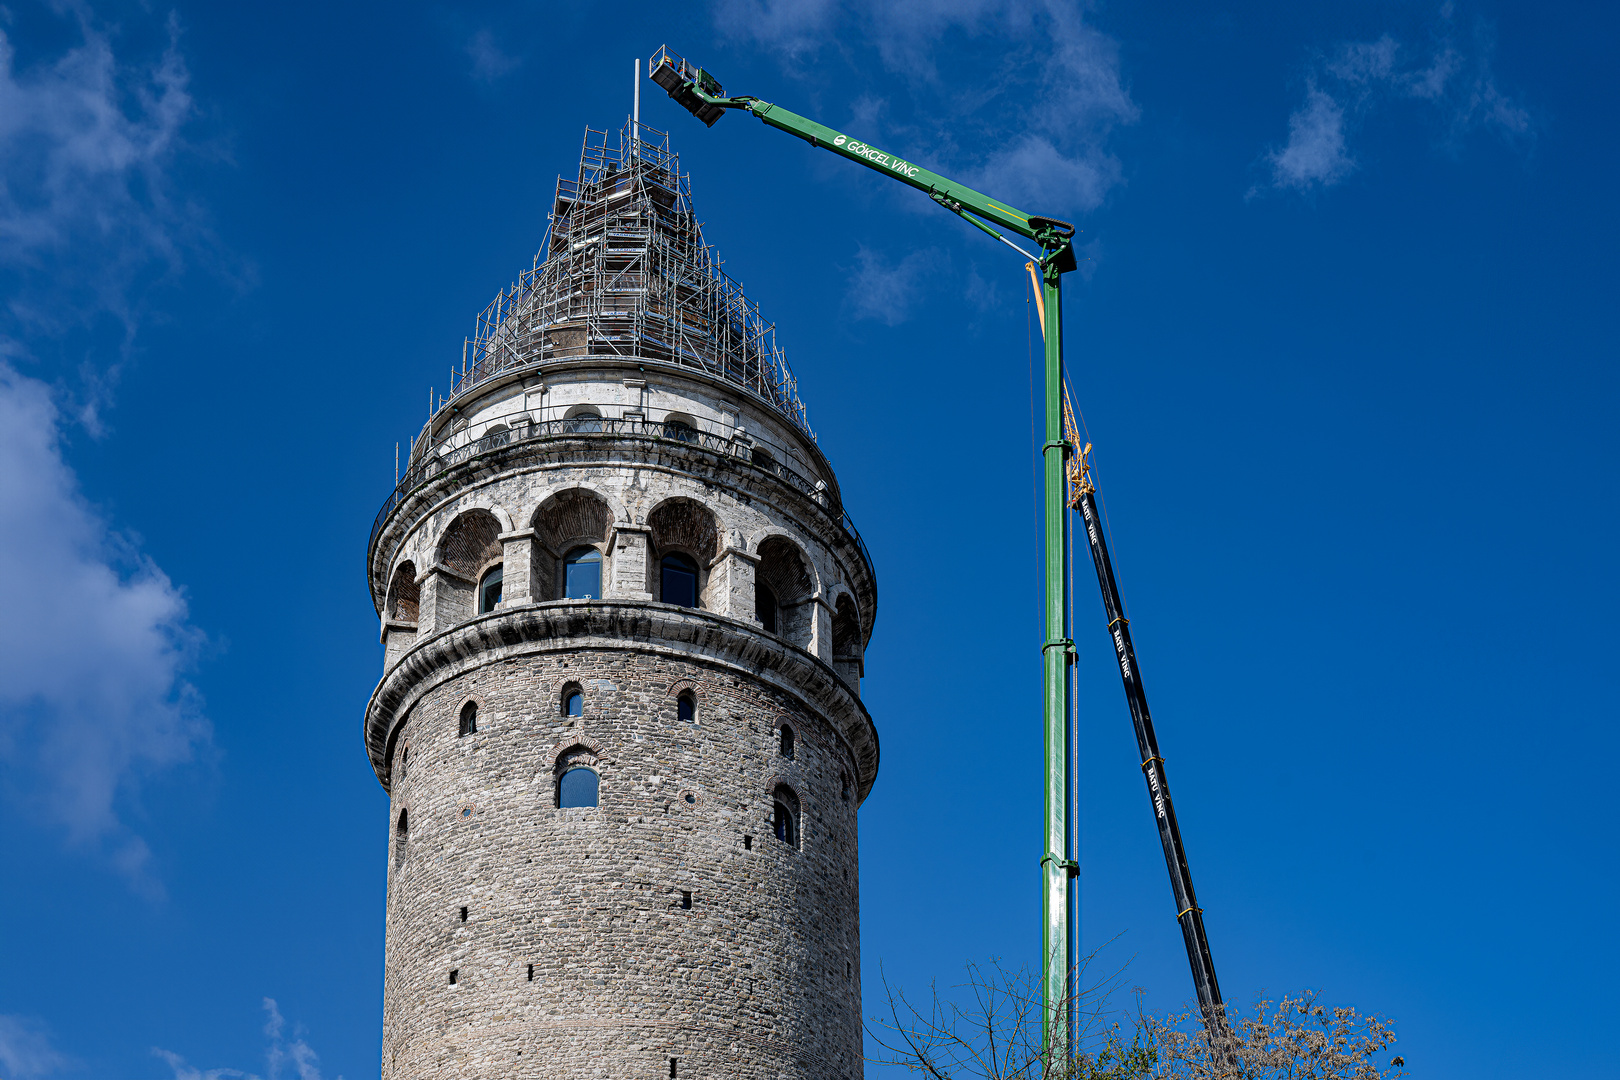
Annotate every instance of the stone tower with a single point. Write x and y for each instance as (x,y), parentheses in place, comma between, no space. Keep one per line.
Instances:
(619,722)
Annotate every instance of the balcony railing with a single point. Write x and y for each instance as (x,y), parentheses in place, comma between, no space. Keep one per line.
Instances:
(612,428)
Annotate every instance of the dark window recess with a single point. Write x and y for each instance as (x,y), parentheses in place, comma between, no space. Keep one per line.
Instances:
(765,606)
(531,979)
(577,787)
(679,578)
(847,969)
(785,748)
(463,914)
(691,799)
(582,574)
(453,973)
(782,822)
(672,1062)
(489,590)
(748,843)
(574,703)
(686,901)
(845,779)
(404,827)
(469,718)
(686,708)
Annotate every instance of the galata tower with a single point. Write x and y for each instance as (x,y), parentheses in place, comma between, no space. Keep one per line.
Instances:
(619,722)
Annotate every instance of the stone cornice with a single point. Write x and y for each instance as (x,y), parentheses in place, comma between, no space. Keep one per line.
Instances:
(683,633)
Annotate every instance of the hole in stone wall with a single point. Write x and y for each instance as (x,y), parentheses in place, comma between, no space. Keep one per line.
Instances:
(686,901)
(748,843)
(453,973)
(672,1062)
(847,969)
(463,914)
(531,979)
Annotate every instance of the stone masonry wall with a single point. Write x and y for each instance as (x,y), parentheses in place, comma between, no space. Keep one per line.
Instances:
(759,978)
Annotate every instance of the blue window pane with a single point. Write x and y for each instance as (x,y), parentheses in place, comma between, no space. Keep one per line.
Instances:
(489,591)
(575,705)
(679,580)
(582,574)
(577,788)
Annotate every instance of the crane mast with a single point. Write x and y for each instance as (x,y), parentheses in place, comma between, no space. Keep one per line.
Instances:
(1066,485)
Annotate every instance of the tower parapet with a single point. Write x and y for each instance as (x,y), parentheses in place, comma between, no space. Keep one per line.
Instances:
(624,618)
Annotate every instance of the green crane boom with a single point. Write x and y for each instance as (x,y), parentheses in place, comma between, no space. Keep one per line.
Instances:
(699,93)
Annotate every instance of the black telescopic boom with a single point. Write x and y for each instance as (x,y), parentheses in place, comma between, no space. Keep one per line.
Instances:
(1188,913)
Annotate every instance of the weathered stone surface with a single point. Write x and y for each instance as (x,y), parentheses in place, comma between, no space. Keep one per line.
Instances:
(578,956)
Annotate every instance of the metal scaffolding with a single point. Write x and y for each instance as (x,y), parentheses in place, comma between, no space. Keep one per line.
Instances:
(624,272)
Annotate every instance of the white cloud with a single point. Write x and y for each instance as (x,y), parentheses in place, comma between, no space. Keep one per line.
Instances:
(92,646)
(1315,153)
(26,1051)
(1033,119)
(886,292)
(489,62)
(1360,77)
(283,1059)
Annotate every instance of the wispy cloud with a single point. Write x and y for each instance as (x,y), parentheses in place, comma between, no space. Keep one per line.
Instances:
(1452,78)
(93,645)
(284,1058)
(489,62)
(886,291)
(1032,123)
(26,1052)
(95,639)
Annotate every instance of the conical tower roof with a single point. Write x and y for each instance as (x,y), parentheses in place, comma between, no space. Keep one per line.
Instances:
(625,273)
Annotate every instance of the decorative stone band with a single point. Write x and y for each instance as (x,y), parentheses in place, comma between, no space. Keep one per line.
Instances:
(680,632)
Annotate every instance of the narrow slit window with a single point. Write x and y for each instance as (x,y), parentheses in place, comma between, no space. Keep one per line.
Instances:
(782,821)
(453,974)
(531,973)
(464,914)
(686,708)
(672,1062)
(489,590)
(403,828)
(765,606)
(748,843)
(785,746)
(582,574)
(469,719)
(686,901)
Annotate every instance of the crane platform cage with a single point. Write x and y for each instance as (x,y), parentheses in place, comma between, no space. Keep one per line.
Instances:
(624,272)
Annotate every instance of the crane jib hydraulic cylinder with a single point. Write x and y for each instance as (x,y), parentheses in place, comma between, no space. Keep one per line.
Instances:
(1188,914)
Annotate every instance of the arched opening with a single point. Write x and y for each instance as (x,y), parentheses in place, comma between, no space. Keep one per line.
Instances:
(404,595)
(846,641)
(578,784)
(582,420)
(784,573)
(496,435)
(573,700)
(489,590)
(678,580)
(765,609)
(688,531)
(469,719)
(582,574)
(763,458)
(573,525)
(680,427)
(785,816)
(784,744)
(686,707)
(470,544)
(402,828)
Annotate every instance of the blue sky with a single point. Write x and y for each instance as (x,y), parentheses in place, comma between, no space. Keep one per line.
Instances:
(1344,340)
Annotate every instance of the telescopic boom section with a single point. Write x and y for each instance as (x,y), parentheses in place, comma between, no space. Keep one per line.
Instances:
(1188,913)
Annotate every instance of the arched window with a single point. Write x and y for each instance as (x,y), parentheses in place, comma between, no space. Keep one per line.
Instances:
(686,707)
(497,435)
(403,828)
(679,579)
(785,747)
(577,787)
(489,589)
(404,760)
(680,430)
(586,421)
(582,574)
(765,606)
(762,457)
(785,816)
(573,701)
(469,718)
